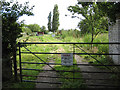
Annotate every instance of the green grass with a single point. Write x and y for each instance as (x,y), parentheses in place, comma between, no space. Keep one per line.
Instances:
(32,58)
(46,48)
(70,83)
(66,37)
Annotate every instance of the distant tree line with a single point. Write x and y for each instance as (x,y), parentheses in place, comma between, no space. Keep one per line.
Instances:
(29,29)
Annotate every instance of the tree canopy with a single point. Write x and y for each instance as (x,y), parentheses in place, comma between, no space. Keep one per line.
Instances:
(108,8)
(55,21)
(95,21)
(34,27)
(26,30)
(49,22)
(10,14)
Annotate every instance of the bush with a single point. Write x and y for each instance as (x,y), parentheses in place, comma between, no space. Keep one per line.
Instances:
(98,48)
(70,33)
(103,48)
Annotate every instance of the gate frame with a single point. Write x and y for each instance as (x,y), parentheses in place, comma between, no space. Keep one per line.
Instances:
(74,44)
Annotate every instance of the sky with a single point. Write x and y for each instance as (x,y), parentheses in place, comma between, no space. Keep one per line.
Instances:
(42,9)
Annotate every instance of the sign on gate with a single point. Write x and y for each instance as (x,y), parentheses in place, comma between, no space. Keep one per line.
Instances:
(67,59)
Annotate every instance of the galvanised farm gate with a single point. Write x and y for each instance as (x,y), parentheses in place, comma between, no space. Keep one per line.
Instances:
(74,45)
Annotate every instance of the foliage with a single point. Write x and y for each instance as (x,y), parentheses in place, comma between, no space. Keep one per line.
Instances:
(70,33)
(34,27)
(10,15)
(70,83)
(49,22)
(43,29)
(94,21)
(11,11)
(26,30)
(110,8)
(55,21)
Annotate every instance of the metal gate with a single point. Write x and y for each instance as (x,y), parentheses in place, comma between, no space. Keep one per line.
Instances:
(74,45)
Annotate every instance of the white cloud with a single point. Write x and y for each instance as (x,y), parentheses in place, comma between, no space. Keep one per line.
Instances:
(42,9)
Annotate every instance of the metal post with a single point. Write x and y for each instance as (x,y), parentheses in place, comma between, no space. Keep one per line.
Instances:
(14,61)
(73,60)
(20,61)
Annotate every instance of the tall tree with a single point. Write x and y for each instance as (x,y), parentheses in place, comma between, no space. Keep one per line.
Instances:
(94,21)
(49,22)
(55,21)
(11,11)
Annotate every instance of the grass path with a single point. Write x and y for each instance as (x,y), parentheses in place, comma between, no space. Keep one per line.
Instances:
(44,79)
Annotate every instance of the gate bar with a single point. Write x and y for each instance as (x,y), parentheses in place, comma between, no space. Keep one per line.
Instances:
(20,62)
(73,53)
(67,43)
(69,71)
(73,64)
(102,85)
(42,82)
(68,77)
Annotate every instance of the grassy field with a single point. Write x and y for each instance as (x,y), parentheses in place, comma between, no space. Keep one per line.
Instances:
(59,48)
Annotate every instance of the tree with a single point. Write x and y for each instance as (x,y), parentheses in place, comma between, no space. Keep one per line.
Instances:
(11,11)
(108,8)
(111,9)
(34,27)
(55,21)
(83,26)
(26,30)
(49,22)
(43,29)
(94,22)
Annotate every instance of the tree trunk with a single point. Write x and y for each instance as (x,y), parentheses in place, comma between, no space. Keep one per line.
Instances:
(6,69)
(92,37)
(14,60)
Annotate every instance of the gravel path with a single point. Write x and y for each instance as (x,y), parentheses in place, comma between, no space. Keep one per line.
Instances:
(44,79)
(94,75)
